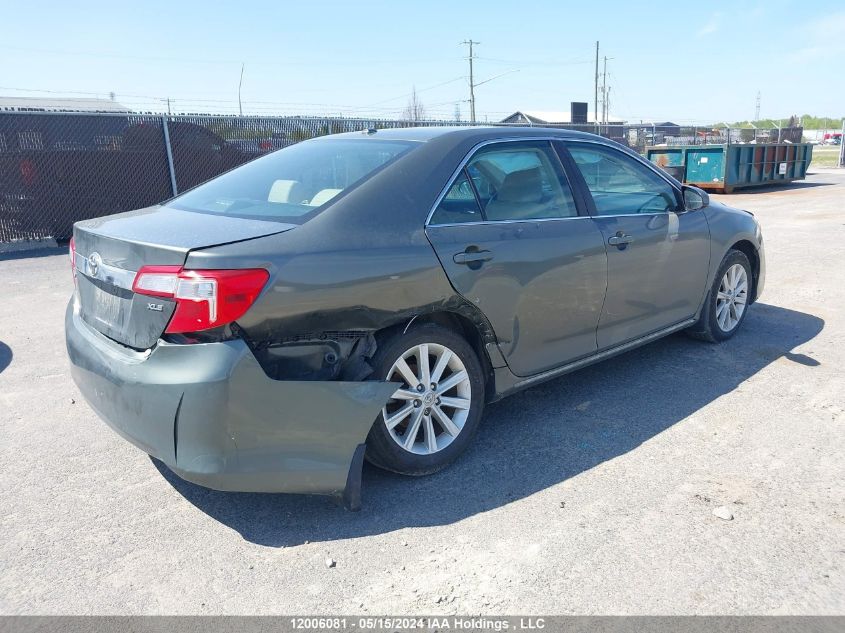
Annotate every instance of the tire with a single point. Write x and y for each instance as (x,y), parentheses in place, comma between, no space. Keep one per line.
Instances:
(724,312)
(436,441)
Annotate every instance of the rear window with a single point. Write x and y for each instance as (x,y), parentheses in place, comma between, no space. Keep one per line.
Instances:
(292,184)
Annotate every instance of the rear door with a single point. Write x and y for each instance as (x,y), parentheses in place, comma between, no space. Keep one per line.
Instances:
(657,255)
(513,241)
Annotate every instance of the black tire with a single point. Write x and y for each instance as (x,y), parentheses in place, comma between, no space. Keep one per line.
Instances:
(382,449)
(707,327)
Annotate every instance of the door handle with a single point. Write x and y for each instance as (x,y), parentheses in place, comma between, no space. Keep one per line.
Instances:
(472,257)
(620,240)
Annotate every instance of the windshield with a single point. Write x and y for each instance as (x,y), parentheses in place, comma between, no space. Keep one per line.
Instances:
(291,184)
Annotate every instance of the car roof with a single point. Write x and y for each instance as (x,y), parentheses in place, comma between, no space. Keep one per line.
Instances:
(457,133)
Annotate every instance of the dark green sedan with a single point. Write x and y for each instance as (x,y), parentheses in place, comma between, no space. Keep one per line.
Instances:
(362,296)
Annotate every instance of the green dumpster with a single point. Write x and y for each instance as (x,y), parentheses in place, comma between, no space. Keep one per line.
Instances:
(723,168)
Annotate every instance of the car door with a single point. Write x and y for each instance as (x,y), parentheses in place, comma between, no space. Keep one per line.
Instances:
(657,254)
(514,242)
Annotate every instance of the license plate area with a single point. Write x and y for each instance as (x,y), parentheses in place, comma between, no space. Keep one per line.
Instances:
(104,306)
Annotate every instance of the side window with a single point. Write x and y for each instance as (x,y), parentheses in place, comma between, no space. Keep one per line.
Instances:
(619,184)
(459,204)
(520,181)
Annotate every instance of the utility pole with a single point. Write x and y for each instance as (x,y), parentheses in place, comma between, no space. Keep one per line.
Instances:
(168,106)
(757,109)
(240,83)
(596,102)
(471,81)
(604,92)
(607,105)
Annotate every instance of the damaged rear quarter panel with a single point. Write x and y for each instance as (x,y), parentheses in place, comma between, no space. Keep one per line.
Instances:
(361,265)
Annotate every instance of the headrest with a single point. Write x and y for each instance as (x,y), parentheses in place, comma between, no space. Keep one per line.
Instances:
(324,196)
(286,191)
(522,186)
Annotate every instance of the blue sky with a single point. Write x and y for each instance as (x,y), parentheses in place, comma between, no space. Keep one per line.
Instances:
(688,62)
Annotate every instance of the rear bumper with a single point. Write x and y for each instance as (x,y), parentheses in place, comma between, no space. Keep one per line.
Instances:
(211,414)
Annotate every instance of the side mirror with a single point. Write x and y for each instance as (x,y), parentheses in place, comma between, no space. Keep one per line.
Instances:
(695,198)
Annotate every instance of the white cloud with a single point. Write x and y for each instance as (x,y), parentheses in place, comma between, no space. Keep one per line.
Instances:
(824,37)
(711,26)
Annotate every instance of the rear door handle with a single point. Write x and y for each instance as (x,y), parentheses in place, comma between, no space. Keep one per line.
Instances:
(472,257)
(620,239)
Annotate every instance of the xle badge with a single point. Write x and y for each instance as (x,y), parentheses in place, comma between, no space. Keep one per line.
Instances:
(155,307)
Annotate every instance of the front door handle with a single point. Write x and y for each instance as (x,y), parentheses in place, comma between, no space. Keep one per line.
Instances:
(620,240)
(471,258)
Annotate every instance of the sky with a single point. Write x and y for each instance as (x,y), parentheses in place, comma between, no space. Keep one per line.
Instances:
(701,62)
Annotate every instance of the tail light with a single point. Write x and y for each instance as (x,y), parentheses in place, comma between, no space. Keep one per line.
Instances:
(204,298)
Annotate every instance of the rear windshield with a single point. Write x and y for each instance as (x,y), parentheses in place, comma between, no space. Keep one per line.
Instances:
(292,184)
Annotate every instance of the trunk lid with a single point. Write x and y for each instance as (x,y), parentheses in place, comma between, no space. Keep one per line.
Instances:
(110,250)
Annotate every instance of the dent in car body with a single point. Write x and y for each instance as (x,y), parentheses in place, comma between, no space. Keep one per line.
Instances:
(209,412)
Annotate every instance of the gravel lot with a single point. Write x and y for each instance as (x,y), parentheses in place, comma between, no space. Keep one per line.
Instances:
(590,494)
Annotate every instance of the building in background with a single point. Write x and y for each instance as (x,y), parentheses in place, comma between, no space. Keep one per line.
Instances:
(549,117)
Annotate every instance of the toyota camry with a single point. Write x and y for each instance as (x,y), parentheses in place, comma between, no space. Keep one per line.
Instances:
(364,295)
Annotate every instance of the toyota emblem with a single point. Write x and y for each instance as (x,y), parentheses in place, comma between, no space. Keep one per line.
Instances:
(94,262)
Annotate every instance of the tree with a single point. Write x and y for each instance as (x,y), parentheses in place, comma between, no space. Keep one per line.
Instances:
(415,110)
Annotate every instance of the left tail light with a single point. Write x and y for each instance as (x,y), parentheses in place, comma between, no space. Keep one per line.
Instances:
(204,298)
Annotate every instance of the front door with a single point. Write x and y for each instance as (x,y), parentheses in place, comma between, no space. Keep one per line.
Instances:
(657,254)
(512,241)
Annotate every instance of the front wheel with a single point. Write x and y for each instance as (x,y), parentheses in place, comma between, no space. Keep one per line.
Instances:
(437,405)
(727,302)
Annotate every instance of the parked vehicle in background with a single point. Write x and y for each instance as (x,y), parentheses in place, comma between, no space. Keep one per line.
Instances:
(263,145)
(101,164)
(365,294)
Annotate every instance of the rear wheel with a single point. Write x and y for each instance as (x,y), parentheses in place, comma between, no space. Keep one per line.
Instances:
(727,302)
(433,414)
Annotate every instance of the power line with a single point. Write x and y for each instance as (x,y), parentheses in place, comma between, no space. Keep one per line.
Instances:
(534,62)
(408,94)
(288,62)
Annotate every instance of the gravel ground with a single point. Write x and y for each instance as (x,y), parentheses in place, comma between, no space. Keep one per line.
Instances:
(591,494)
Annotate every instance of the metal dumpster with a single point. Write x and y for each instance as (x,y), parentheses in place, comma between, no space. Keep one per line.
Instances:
(723,168)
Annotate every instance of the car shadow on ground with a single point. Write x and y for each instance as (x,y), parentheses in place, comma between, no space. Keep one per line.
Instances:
(532,440)
(5,356)
(774,188)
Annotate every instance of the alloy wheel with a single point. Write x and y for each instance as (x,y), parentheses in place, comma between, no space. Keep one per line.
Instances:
(732,297)
(430,409)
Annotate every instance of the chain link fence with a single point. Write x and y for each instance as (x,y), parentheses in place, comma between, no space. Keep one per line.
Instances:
(58,168)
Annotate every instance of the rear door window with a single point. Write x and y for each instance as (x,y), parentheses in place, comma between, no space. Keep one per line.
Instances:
(459,204)
(508,181)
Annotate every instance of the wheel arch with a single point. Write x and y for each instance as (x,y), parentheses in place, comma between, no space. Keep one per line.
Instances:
(477,334)
(750,251)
